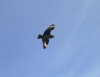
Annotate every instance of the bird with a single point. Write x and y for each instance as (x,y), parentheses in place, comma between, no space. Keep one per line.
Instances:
(46,35)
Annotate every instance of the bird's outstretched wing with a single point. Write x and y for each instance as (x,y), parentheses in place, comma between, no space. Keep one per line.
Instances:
(49,29)
(45,43)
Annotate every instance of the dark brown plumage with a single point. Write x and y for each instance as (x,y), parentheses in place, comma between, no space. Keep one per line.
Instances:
(46,35)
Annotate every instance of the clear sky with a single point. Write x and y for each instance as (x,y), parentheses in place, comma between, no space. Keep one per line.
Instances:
(75,50)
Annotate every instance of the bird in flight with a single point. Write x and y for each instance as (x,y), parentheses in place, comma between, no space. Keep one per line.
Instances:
(46,35)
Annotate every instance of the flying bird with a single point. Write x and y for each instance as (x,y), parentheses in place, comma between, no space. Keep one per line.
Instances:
(46,35)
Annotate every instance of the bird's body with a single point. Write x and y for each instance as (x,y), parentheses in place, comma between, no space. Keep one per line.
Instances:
(46,36)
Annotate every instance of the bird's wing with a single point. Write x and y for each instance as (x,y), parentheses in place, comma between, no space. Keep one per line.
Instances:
(45,43)
(49,29)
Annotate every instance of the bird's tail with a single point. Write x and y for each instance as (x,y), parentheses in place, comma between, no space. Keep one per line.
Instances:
(40,36)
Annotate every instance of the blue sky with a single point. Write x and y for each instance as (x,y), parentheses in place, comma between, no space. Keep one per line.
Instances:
(75,50)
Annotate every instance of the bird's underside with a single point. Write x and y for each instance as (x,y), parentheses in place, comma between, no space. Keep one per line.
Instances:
(46,36)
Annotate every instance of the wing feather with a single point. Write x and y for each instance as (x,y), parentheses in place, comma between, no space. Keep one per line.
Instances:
(45,43)
(49,29)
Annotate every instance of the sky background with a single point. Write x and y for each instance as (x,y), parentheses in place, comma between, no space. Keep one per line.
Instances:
(75,50)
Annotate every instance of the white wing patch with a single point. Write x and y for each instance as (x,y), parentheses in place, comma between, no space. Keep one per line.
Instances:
(44,44)
(52,26)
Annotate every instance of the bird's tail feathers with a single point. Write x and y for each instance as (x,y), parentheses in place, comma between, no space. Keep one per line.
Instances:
(40,36)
